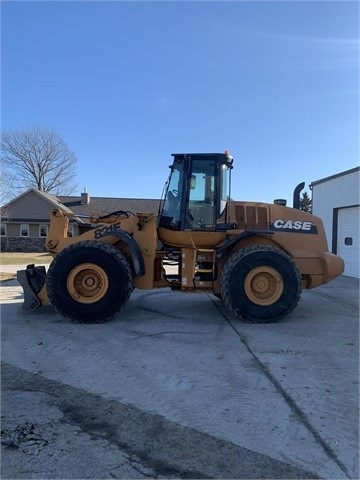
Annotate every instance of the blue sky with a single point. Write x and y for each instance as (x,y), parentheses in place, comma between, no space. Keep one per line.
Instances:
(126,84)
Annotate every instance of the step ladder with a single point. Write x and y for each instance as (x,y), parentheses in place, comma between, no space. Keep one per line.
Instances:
(204,272)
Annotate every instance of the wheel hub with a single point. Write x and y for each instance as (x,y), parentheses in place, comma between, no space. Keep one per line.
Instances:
(264,285)
(87,283)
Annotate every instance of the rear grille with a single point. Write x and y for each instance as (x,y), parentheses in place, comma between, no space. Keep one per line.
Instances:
(251,217)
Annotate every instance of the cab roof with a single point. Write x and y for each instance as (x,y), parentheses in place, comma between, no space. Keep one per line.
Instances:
(223,157)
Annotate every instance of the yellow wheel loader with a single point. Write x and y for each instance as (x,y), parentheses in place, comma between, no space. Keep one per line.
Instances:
(256,257)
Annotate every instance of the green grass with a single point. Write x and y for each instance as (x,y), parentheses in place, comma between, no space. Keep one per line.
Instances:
(4,277)
(14,258)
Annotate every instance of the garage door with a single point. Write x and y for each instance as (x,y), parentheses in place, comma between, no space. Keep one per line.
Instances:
(348,241)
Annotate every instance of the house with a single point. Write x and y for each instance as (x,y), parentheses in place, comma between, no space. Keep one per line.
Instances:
(336,199)
(25,219)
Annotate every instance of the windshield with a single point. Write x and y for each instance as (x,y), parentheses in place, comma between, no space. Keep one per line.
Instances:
(196,193)
(171,213)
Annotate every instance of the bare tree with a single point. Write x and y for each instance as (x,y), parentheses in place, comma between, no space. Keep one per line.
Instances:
(6,186)
(37,157)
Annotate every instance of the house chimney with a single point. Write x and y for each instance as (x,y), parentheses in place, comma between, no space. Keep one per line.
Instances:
(85,197)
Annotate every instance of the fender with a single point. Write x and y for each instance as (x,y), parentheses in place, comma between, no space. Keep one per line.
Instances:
(223,248)
(136,255)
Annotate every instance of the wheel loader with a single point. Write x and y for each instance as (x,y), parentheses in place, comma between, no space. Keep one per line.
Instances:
(256,257)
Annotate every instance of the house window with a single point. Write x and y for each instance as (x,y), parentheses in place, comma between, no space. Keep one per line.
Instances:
(43,230)
(24,230)
(3,230)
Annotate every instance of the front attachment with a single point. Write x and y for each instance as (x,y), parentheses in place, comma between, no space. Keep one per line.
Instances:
(32,281)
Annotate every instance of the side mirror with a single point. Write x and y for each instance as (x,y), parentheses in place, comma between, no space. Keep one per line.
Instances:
(192,182)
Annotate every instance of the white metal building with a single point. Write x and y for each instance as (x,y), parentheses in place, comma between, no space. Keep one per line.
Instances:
(336,200)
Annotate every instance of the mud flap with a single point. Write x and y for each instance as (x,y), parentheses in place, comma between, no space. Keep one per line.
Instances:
(32,281)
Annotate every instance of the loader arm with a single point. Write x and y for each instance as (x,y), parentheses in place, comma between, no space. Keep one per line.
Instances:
(133,235)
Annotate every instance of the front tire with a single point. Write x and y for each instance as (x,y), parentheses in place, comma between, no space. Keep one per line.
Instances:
(260,284)
(89,282)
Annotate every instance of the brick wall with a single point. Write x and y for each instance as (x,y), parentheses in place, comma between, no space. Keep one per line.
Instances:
(22,244)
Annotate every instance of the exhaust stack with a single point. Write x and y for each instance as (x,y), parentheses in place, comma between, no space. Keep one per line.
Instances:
(296,198)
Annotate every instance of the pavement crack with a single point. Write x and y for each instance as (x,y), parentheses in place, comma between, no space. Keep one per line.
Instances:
(288,399)
(26,437)
(166,313)
(139,467)
(166,332)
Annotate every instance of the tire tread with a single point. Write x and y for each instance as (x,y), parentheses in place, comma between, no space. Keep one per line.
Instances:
(225,284)
(118,257)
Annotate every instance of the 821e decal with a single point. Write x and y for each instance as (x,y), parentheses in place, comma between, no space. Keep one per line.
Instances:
(105,231)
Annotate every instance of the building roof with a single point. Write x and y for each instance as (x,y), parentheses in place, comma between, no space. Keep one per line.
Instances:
(47,196)
(105,205)
(337,175)
(80,205)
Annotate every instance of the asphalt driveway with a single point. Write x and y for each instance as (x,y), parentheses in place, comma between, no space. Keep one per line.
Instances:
(175,387)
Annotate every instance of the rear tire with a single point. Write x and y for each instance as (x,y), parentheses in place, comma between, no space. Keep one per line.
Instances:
(260,284)
(89,281)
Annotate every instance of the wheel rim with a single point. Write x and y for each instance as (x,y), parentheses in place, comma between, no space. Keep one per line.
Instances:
(264,286)
(87,283)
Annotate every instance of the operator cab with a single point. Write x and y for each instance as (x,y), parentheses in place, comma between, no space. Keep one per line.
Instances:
(197,192)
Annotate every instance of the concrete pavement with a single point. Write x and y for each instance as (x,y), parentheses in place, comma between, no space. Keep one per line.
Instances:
(174,387)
